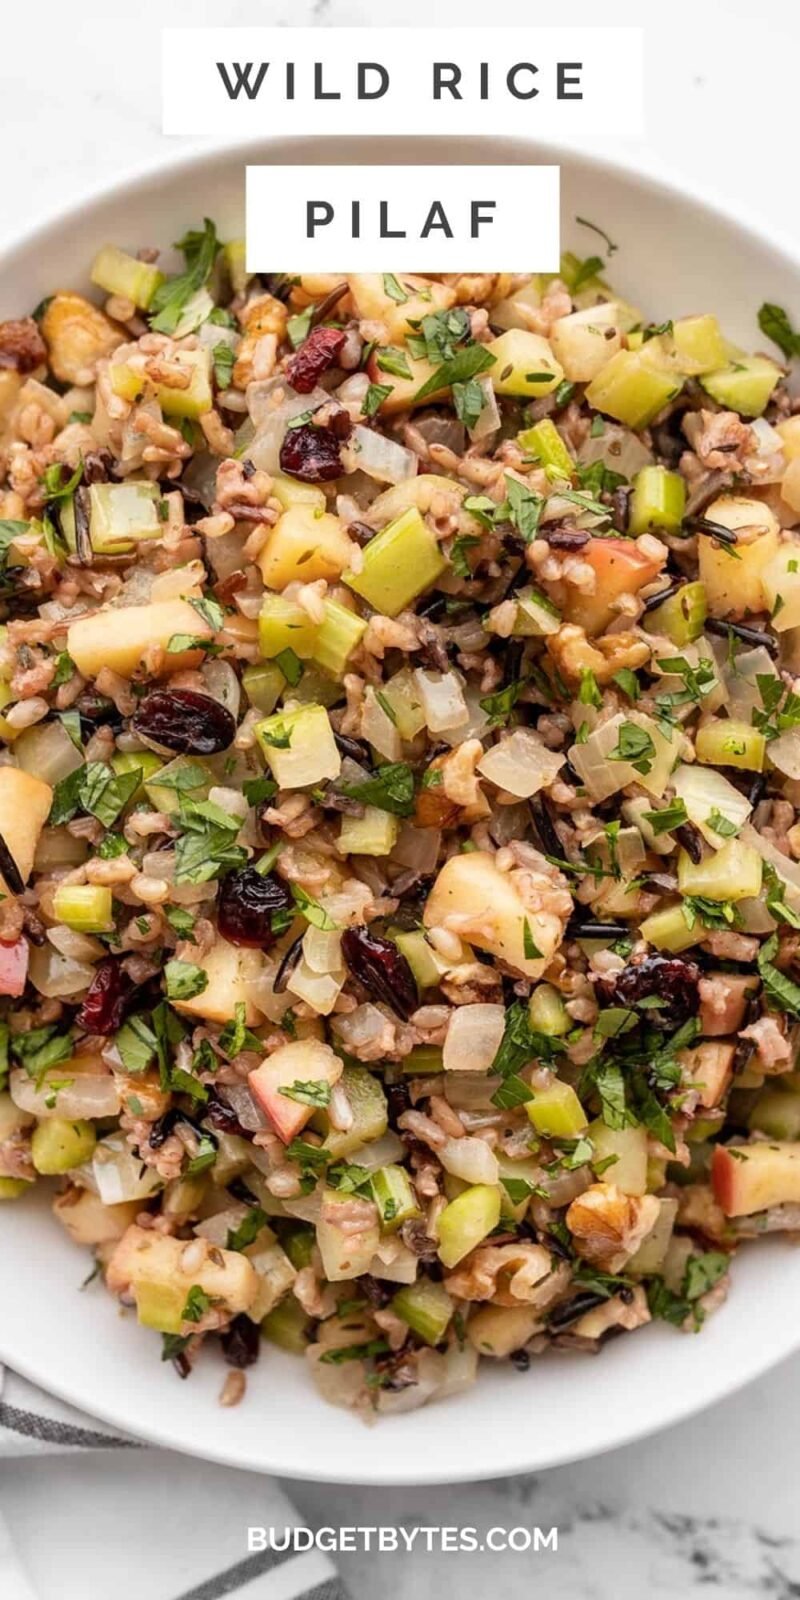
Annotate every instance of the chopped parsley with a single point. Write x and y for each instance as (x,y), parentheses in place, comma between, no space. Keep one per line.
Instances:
(636,746)
(199,251)
(184,979)
(391,789)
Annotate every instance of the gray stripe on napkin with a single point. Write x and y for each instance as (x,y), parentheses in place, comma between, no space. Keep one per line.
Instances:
(237,1576)
(52,1432)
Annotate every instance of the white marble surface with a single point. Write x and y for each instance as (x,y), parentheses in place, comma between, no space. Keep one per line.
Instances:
(712,1505)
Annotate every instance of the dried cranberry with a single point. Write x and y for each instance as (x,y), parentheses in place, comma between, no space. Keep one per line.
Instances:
(185,720)
(241,1342)
(108,998)
(246,903)
(381,968)
(671,979)
(311,454)
(223,1117)
(316,354)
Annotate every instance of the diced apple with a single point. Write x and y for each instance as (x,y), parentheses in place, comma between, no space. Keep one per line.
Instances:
(424,297)
(753,1177)
(708,1068)
(735,588)
(586,340)
(621,568)
(230,970)
(291,492)
(628,1148)
(471,898)
(652,1251)
(500,1330)
(24,808)
(781,581)
(404,391)
(89,1222)
(524,364)
(151,1265)
(304,545)
(303,1063)
(724,1003)
(345,1254)
(120,637)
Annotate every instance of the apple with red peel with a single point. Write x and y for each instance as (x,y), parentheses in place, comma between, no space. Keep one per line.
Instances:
(621,568)
(752,1177)
(14,967)
(305,1065)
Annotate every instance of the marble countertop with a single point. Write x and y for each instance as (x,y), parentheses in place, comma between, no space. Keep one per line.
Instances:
(712,1504)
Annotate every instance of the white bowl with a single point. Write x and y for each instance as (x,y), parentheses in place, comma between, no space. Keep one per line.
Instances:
(676,255)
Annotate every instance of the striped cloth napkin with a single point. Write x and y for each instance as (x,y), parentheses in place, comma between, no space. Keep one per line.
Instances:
(169,1567)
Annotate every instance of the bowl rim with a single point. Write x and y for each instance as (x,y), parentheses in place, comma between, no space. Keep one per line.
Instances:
(639,176)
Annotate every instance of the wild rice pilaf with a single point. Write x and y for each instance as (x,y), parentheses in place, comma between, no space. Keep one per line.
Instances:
(398,797)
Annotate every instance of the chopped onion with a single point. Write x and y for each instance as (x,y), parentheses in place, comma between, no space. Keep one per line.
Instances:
(468,1091)
(743,693)
(417,849)
(197,310)
(79,946)
(474,1034)
(521,764)
(442,699)
(84,1094)
(490,419)
(394,1261)
(702,791)
(381,458)
(119,1174)
(57,847)
(430,1377)
(320,990)
(378,729)
(247,1109)
(216,1229)
(476,723)
(461,1369)
(379,1152)
(272,405)
(470,1159)
(223,685)
(184,582)
(322,950)
(226,554)
(260,992)
(56,976)
(604,776)
(47,752)
(210,334)
(201,477)
(617,448)
(161,864)
(786,868)
(784,753)
(767,463)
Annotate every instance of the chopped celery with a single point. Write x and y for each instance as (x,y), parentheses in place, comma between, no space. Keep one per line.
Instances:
(633,387)
(427,1309)
(299,1246)
(336,638)
(745,385)
(119,515)
(287,1326)
(426,966)
(394,1197)
(121,274)
(697,345)
(544,441)
(160,1305)
(466,1221)
(524,364)
(777,1114)
(299,747)
(658,500)
(144,761)
(401,561)
(85,907)
(264,684)
(682,617)
(628,1148)
(536,615)
(423,1059)
(367,1102)
(729,742)
(13,1188)
(374,834)
(519,1181)
(234,253)
(316,688)
(556,1112)
(732,873)
(403,696)
(547,1011)
(291,492)
(58,1145)
(669,930)
(284,625)
(192,401)
(182,776)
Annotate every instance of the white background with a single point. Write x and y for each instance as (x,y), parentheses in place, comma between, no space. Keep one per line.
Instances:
(714,1503)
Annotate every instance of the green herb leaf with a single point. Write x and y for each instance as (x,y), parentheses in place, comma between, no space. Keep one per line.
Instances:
(184,979)
(170,299)
(248,1229)
(634,745)
(316,1092)
(312,910)
(462,366)
(224,359)
(774,322)
(468,402)
(394,289)
(391,789)
(374,398)
(672,816)
(390,358)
